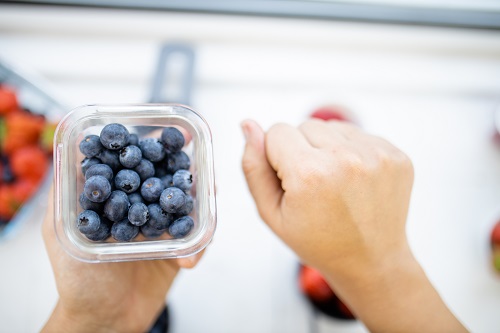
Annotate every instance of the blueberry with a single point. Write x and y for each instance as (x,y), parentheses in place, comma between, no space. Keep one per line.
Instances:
(181,227)
(123,231)
(145,169)
(114,136)
(158,218)
(97,189)
(116,207)
(133,139)
(168,180)
(172,199)
(91,146)
(102,233)
(160,168)
(130,156)
(183,180)
(149,232)
(99,170)
(135,198)
(151,189)
(177,161)
(172,139)
(85,203)
(138,214)
(88,162)
(111,158)
(187,208)
(152,149)
(88,222)
(7,174)
(127,180)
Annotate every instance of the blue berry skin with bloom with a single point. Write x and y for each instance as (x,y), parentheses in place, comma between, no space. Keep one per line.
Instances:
(103,233)
(127,180)
(100,170)
(116,207)
(145,169)
(158,218)
(114,136)
(135,197)
(187,208)
(85,203)
(152,149)
(149,232)
(172,139)
(123,231)
(88,222)
(138,214)
(151,189)
(91,146)
(133,140)
(97,189)
(183,180)
(88,162)
(181,227)
(177,161)
(130,156)
(111,158)
(167,180)
(172,199)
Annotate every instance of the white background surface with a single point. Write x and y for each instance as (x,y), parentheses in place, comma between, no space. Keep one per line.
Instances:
(432,91)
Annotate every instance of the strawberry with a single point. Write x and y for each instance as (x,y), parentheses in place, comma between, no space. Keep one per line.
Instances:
(333,113)
(314,285)
(29,162)
(495,234)
(22,190)
(21,129)
(8,100)
(7,206)
(495,244)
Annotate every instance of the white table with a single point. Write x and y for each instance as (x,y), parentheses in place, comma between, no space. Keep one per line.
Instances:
(432,91)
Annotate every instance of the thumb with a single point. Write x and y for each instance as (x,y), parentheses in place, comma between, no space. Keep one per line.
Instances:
(261,178)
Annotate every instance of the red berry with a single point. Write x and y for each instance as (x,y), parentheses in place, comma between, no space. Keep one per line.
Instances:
(332,113)
(314,285)
(29,162)
(495,234)
(7,206)
(8,100)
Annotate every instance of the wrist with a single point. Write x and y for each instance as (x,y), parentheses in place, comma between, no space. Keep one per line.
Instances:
(63,320)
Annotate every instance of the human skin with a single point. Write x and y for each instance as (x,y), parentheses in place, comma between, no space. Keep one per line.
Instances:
(339,198)
(107,297)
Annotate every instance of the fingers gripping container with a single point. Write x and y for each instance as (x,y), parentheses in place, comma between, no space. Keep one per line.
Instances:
(146,120)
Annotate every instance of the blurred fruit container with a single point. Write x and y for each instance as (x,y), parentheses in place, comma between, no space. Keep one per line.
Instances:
(28,116)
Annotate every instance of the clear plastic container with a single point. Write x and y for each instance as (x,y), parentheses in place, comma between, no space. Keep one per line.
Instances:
(145,120)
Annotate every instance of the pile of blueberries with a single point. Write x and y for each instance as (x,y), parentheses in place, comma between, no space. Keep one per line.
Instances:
(135,186)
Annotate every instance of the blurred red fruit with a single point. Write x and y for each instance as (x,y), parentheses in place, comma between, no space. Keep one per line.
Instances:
(314,285)
(7,206)
(29,162)
(495,234)
(332,113)
(23,189)
(8,100)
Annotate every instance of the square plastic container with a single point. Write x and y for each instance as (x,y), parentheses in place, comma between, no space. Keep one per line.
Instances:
(146,120)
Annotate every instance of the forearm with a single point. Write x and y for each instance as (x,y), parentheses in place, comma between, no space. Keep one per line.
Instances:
(62,321)
(394,296)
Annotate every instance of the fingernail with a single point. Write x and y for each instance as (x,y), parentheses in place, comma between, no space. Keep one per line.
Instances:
(246,130)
